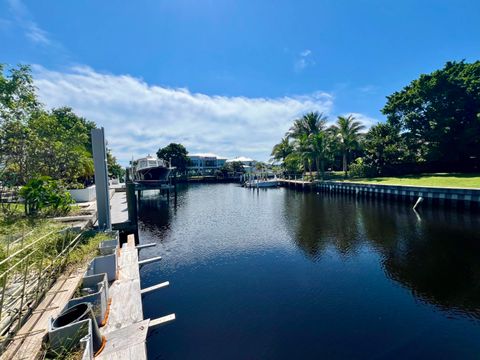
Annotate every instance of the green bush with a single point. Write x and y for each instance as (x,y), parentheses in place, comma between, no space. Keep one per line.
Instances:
(359,169)
(45,194)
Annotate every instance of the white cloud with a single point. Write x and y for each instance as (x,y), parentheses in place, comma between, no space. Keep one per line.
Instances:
(37,35)
(139,118)
(305,52)
(24,19)
(303,60)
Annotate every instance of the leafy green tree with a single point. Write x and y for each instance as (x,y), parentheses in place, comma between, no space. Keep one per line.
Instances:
(59,146)
(293,163)
(347,132)
(35,142)
(439,114)
(384,147)
(236,166)
(17,102)
(281,150)
(17,94)
(115,170)
(176,155)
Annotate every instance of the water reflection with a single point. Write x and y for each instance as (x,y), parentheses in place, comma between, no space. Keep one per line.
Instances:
(285,274)
(433,253)
(155,213)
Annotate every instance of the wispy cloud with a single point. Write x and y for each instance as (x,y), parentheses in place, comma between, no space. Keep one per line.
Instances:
(37,35)
(139,117)
(303,60)
(25,20)
(368,89)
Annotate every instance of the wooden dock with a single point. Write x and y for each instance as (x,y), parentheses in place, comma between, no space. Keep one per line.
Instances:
(126,330)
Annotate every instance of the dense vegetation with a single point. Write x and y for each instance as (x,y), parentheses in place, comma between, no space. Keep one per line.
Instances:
(36,143)
(433,125)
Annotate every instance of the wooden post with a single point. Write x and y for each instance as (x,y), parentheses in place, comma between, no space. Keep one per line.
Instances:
(132,209)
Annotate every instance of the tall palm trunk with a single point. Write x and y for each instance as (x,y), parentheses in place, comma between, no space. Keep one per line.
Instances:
(317,161)
(345,163)
(322,167)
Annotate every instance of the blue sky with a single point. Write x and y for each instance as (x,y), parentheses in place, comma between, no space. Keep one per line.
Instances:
(229,76)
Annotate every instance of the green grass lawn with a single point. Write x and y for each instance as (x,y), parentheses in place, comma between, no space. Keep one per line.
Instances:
(440,179)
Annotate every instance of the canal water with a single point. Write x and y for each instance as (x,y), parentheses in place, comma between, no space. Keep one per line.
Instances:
(279,274)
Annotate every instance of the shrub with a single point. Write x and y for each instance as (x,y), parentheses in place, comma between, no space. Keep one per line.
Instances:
(43,193)
(359,169)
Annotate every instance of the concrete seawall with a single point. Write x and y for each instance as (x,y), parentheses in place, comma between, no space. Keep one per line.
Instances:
(450,197)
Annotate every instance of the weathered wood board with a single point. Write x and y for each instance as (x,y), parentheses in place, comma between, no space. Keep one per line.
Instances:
(29,347)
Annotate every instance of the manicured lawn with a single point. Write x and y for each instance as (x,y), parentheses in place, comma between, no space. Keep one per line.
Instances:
(440,179)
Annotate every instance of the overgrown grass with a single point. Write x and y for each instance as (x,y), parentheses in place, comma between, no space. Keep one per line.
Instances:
(18,230)
(456,180)
(14,221)
(87,247)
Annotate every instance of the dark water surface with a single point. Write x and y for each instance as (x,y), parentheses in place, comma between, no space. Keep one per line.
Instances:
(279,274)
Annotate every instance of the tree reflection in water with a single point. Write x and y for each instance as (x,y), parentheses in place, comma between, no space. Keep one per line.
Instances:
(435,254)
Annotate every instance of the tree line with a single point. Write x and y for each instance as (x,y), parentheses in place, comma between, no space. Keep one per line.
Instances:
(37,142)
(433,125)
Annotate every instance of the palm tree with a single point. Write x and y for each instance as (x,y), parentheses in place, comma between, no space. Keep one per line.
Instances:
(305,132)
(305,149)
(347,131)
(322,144)
(281,150)
(309,124)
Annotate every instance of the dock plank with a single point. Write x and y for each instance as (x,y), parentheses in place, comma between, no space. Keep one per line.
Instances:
(29,347)
(126,330)
(126,305)
(120,341)
(133,352)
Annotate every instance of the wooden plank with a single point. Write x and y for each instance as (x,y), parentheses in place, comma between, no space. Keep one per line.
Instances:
(161,320)
(133,352)
(54,301)
(126,305)
(119,341)
(155,287)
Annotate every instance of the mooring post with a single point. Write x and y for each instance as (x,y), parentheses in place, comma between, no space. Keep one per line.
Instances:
(132,209)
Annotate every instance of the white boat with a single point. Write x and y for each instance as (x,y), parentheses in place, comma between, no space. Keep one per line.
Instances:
(262,183)
(150,169)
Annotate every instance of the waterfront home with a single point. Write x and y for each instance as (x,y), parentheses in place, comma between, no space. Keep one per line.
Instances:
(248,163)
(205,163)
